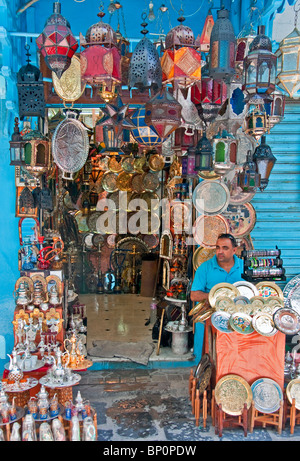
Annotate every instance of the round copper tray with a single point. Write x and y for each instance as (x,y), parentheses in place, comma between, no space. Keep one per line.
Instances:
(140,164)
(137,183)
(287,321)
(150,182)
(109,182)
(114,165)
(202,254)
(124,181)
(127,164)
(206,230)
(156,162)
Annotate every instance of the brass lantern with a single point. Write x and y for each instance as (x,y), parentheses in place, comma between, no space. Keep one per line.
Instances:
(181,62)
(163,112)
(17,156)
(260,66)
(36,152)
(222,48)
(265,160)
(275,108)
(101,59)
(288,63)
(249,179)
(56,43)
(256,119)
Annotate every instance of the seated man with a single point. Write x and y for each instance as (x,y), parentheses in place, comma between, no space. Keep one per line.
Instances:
(225,266)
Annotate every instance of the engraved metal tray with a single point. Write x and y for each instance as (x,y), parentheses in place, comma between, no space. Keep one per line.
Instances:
(267,395)
(232,392)
(246,289)
(211,197)
(293,392)
(287,321)
(263,324)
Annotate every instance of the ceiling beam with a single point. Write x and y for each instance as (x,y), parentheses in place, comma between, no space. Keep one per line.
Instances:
(27,5)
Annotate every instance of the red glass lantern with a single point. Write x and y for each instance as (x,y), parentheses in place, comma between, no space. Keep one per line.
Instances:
(101,59)
(56,43)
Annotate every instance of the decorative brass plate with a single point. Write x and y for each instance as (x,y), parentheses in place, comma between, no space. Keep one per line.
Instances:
(137,183)
(241,219)
(206,230)
(114,165)
(124,181)
(127,164)
(150,182)
(211,197)
(232,392)
(222,289)
(263,324)
(293,392)
(109,182)
(156,162)
(287,321)
(202,254)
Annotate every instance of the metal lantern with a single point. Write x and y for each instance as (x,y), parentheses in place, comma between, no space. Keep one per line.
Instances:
(248,179)
(36,152)
(56,43)
(163,112)
(222,48)
(265,160)
(101,59)
(181,62)
(242,49)
(275,108)
(211,97)
(30,90)
(203,155)
(206,32)
(144,134)
(288,63)
(145,71)
(260,66)
(256,119)
(16,146)
(224,152)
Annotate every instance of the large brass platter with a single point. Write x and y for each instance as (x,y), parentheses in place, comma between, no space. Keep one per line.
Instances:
(156,162)
(267,289)
(202,254)
(69,86)
(150,181)
(222,289)
(293,392)
(109,181)
(124,181)
(232,392)
(127,164)
(137,183)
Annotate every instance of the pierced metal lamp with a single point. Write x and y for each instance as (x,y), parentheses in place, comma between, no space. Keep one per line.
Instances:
(203,155)
(265,161)
(248,179)
(16,145)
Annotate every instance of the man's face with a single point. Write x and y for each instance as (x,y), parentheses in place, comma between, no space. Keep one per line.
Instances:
(224,250)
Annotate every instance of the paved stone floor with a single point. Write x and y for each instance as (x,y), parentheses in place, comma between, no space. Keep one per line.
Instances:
(154,406)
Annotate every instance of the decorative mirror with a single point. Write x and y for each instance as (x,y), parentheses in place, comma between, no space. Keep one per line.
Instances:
(166,245)
(166,275)
(29,229)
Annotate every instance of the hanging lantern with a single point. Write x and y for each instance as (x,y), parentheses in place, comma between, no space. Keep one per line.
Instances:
(144,68)
(163,112)
(203,155)
(56,43)
(181,62)
(265,160)
(256,121)
(184,138)
(224,152)
(213,94)
(206,32)
(275,108)
(16,146)
(248,179)
(260,66)
(30,90)
(222,48)
(144,134)
(101,59)
(242,49)
(110,128)
(36,152)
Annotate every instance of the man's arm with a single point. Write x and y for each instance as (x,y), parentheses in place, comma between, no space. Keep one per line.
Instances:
(199,296)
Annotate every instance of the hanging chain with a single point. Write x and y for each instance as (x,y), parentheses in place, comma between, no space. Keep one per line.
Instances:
(296,13)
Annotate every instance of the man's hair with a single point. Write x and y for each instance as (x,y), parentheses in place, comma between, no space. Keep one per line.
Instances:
(230,237)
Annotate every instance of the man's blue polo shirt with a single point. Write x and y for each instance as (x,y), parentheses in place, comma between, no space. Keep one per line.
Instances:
(210,273)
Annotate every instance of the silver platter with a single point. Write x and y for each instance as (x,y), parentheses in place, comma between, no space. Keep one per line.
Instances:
(267,395)
(211,197)
(70,145)
(246,289)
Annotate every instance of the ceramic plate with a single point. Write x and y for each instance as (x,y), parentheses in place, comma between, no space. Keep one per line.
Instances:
(222,289)
(220,321)
(232,392)
(287,321)
(246,289)
(241,323)
(267,395)
(266,289)
(206,230)
(241,219)
(263,324)
(293,392)
(211,197)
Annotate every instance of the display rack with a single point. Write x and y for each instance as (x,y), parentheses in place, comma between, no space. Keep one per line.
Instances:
(263,265)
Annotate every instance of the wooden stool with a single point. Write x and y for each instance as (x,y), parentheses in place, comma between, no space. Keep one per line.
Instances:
(222,420)
(201,403)
(275,419)
(291,412)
